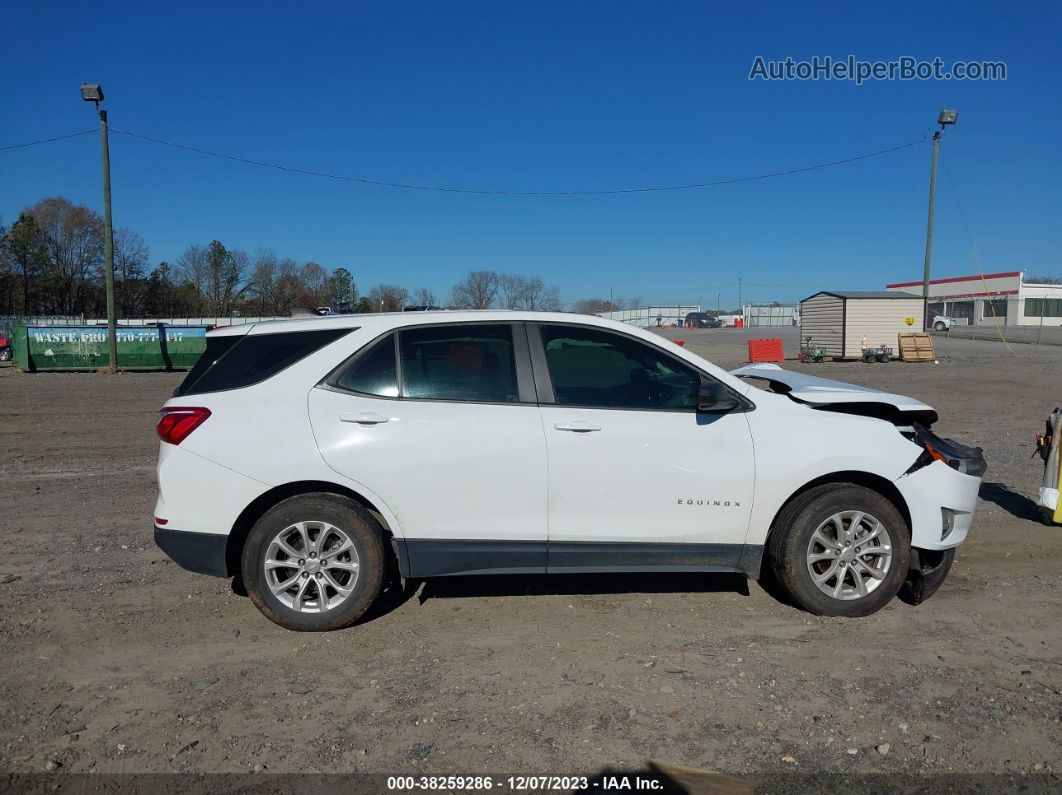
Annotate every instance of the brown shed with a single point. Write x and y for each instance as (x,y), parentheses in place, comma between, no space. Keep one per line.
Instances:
(838,320)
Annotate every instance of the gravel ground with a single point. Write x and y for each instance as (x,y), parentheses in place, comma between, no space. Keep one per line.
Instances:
(114,660)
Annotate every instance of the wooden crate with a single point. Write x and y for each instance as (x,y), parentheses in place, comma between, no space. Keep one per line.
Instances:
(916,347)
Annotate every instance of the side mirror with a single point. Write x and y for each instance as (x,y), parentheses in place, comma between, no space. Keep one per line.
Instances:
(715,398)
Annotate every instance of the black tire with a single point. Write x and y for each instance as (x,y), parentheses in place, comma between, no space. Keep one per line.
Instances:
(346,516)
(869,358)
(884,358)
(791,536)
(940,326)
(5,354)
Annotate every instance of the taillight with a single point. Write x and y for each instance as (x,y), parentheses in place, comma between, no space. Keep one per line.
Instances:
(179,421)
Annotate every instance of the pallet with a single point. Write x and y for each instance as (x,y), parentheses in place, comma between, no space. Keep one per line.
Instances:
(916,347)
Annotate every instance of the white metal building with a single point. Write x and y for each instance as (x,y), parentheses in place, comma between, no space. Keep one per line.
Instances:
(650,316)
(844,321)
(774,314)
(991,298)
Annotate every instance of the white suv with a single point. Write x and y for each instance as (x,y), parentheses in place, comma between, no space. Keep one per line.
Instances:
(314,459)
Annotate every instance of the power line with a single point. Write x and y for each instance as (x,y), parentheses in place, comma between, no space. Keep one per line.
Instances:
(977,259)
(688,291)
(410,186)
(46,140)
(438,189)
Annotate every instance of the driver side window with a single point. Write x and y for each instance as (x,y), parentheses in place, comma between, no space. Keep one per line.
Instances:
(599,369)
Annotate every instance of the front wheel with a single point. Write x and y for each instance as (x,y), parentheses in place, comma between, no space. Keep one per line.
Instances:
(840,550)
(314,562)
(5,354)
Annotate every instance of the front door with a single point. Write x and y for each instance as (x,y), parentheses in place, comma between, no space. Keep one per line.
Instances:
(638,478)
(440,423)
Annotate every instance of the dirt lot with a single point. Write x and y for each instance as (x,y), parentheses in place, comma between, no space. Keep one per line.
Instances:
(115,660)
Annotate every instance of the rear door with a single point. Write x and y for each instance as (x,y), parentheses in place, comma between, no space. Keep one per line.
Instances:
(638,478)
(440,422)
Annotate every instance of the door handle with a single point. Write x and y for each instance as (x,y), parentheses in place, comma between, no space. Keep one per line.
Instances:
(579,426)
(364,418)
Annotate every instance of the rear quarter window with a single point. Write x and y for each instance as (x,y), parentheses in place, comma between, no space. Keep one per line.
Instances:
(232,362)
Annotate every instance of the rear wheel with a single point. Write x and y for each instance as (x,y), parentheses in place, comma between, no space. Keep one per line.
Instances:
(840,550)
(940,326)
(5,354)
(314,562)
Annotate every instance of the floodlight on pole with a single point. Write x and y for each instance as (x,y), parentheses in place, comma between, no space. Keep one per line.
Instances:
(93,92)
(947,116)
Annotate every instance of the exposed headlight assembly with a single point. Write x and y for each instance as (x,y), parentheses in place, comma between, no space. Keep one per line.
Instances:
(960,457)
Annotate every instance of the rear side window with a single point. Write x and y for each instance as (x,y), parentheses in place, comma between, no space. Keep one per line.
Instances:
(234,362)
(216,347)
(373,373)
(462,362)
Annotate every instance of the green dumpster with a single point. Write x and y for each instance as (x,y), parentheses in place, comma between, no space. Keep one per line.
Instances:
(41,348)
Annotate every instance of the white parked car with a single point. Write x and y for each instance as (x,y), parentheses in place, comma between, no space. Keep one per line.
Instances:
(940,322)
(314,459)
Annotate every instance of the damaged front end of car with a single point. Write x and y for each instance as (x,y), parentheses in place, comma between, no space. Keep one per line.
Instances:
(939,487)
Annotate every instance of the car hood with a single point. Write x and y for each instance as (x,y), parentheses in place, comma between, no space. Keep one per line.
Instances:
(830,395)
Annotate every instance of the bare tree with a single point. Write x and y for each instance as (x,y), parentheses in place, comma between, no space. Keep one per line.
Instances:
(130,269)
(217,275)
(1042,280)
(286,287)
(513,289)
(314,282)
(422,296)
(73,240)
(261,285)
(192,271)
(591,306)
(477,291)
(387,298)
(539,298)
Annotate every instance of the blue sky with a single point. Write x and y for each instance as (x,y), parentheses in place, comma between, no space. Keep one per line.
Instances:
(550,96)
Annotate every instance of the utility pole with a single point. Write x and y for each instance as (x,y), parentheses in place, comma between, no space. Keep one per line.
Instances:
(91,92)
(946,117)
(741,306)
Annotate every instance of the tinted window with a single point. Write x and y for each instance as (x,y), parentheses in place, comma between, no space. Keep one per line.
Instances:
(216,347)
(255,357)
(458,363)
(374,372)
(598,368)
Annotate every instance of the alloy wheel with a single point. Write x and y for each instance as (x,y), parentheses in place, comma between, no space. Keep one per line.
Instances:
(849,555)
(311,567)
